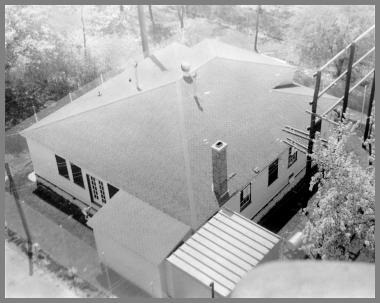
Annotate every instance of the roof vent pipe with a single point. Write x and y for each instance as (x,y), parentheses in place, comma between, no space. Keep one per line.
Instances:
(137,76)
(189,77)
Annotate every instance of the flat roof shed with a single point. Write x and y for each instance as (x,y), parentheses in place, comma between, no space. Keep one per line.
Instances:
(221,251)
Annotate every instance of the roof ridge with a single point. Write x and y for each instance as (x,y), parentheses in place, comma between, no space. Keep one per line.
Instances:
(117,100)
(288,90)
(215,41)
(215,54)
(287,65)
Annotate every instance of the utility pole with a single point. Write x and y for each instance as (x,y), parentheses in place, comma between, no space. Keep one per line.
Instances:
(365,93)
(22,215)
(144,38)
(369,113)
(312,130)
(348,80)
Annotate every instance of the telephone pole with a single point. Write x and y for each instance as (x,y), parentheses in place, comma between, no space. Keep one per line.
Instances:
(22,215)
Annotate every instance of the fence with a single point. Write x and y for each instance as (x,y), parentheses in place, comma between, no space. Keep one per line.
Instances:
(51,107)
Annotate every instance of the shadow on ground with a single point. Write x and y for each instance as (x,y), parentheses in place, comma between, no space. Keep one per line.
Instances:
(117,285)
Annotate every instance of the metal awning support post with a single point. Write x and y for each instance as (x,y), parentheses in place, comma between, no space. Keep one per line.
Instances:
(212,290)
(312,121)
(371,98)
(348,79)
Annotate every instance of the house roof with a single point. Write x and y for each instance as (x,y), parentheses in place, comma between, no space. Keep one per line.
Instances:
(159,69)
(139,227)
(224,250)
(155,144)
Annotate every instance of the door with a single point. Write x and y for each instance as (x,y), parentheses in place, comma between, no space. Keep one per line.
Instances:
(97,191)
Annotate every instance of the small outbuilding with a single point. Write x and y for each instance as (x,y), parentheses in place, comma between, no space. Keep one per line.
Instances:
(134,239)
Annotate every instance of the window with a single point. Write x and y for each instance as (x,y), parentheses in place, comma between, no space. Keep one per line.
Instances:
(112,190)
(77,175)
(273,172)
(62,167)
(292,157)
(97,190)
(94,189)
(102,193)
(245,197)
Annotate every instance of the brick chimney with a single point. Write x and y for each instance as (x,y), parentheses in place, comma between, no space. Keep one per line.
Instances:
(219,169)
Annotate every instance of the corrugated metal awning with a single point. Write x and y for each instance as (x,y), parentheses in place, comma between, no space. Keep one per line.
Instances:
(224,250)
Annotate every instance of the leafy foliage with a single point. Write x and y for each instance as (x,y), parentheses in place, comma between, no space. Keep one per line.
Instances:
(320,32)
(341,220)
(53,50)
(45,52)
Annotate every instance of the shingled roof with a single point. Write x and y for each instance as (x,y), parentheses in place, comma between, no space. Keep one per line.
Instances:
(155,144)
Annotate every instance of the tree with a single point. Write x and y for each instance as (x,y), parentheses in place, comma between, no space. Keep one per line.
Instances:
(341,219)
(320,32)
(151,16)
(181,15)
(275,21)
(258,12)
(84,34)
(144,38)
(44,54)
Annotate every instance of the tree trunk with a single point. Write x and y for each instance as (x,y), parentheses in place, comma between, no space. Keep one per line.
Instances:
(339,66)
(258,9)
(121,7)
(84,34)
(181,14)
(144,38)
(151,16)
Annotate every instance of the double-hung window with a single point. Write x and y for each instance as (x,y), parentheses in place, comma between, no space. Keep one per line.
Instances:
(273,172)
(245,197)
(77,175)
(292,156)
(62,167)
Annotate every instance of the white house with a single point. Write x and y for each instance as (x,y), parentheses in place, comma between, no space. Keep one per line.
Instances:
(174,139)
(156,143)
